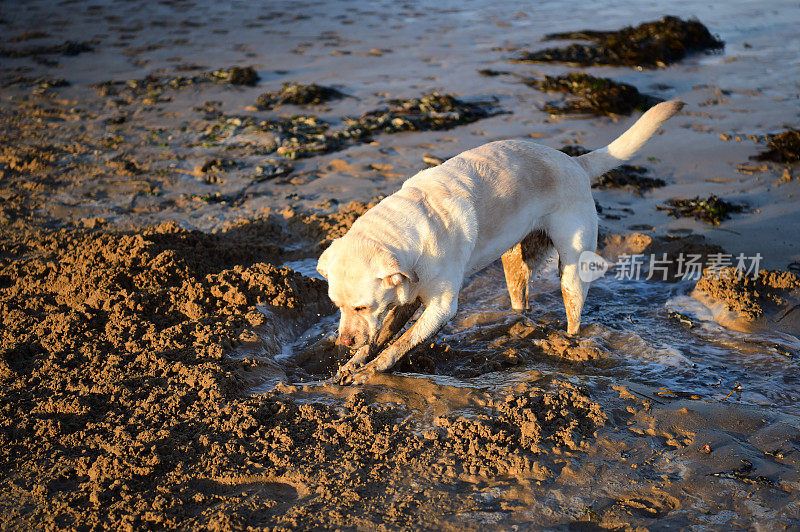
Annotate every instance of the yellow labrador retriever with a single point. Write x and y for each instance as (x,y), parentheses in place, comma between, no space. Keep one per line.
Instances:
(510,198)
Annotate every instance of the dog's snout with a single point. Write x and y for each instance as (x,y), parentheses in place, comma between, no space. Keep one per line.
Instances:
(347,339)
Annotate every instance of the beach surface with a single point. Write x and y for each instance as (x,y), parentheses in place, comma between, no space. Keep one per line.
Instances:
(166,344)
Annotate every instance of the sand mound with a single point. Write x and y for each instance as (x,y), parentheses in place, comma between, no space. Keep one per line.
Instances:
(770,300)
(522,425)
(122,411)
(112,363)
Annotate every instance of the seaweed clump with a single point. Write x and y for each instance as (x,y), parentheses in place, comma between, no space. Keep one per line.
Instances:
(432,111)
(782,148)
(301,136)
(712,209)
(490,73)
(297,94)
(306,136)
(626,176)
(151,88)
(650,45)
(597,96)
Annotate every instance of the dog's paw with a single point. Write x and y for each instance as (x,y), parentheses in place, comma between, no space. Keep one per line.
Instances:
(362,376)
(356,375)
(344,376)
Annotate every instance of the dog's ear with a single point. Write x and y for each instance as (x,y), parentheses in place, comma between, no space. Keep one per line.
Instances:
(391,272)
(397,278)
(322,262)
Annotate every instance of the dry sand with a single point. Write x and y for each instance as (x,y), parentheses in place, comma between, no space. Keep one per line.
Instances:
(150,367)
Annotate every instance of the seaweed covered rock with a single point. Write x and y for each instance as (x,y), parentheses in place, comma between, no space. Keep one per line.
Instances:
(597,96)
(782,148)
(237,75)
(627,176)
(650,45)
(297,94)
(712,209)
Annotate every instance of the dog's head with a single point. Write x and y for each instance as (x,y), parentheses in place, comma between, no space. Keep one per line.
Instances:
(366,281)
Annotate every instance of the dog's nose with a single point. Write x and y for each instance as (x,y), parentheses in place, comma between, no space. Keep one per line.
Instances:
(347,340)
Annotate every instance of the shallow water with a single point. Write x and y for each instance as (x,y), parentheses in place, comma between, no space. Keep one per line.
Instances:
(630,323)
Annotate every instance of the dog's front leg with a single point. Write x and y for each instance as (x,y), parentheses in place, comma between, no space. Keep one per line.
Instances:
(573,290)
(394,322)
(437,313)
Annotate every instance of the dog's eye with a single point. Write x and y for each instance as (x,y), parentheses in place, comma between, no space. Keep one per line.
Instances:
(360,309)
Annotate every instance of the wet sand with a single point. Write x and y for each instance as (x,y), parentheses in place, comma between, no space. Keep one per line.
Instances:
(166,345)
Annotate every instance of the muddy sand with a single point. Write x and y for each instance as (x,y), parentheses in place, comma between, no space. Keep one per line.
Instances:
(169,175)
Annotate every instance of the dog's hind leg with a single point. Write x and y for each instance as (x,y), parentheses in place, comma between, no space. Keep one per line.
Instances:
(571,238)
(517,277)
(520,262)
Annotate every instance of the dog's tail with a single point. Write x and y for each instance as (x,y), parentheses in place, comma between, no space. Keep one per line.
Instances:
(600,161)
